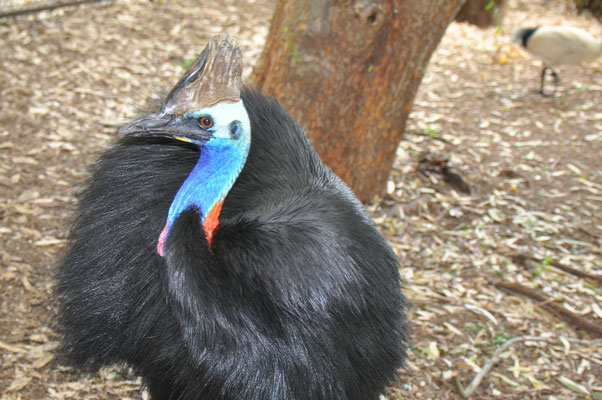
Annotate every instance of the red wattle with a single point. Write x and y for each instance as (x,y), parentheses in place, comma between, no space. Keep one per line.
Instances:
(212,221)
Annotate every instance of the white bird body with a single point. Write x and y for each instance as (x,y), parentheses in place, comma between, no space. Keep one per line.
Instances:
(558,45)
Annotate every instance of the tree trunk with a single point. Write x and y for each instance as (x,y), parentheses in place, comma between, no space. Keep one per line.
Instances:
(593,6)
(481,12)
(348,72)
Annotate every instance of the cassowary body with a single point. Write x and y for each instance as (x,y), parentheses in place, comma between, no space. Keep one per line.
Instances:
(558,45)
(288,293)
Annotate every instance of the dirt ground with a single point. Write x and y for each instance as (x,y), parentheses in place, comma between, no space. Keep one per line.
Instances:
(495,190)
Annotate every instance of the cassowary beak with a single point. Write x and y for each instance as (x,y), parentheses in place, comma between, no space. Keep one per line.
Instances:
(215,76)
(166,126)
(150,125)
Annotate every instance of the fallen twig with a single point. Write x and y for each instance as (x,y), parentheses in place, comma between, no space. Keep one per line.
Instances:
(45,7)
(547,303)
(469,390)
(435,137)
(576,272)
(522,258)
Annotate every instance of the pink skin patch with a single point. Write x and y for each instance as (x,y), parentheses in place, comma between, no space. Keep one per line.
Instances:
(161,241)
(209,225)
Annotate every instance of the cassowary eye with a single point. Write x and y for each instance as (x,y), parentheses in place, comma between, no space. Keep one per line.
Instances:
(206,122)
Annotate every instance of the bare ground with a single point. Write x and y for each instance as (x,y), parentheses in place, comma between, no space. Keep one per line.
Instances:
(533,167)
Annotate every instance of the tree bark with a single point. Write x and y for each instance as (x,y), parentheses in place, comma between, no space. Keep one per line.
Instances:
(348,71)
(477,12)
(593,6)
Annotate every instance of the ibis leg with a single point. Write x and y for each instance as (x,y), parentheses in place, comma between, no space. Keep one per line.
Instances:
(543,80)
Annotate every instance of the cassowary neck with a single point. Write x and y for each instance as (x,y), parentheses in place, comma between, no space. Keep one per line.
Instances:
(206,186)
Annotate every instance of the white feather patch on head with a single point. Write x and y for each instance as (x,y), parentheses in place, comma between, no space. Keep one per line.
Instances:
(223,114)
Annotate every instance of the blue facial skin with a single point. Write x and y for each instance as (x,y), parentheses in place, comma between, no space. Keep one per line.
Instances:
(221,159)
(213,175)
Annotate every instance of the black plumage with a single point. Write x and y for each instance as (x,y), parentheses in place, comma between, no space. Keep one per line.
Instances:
(296,298)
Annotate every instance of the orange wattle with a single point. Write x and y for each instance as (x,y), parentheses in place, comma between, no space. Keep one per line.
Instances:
(212,220)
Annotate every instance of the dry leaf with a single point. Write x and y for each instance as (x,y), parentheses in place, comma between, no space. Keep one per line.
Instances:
(11,348)
(575,387)
(43,361)
(18,383)
(505,379)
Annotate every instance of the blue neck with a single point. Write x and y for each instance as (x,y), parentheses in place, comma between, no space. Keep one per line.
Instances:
(210,181)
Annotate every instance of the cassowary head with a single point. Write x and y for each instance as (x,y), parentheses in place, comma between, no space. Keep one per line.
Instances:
(205,109)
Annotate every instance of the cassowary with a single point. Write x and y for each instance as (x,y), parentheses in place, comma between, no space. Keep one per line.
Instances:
(215,254)
(557,45)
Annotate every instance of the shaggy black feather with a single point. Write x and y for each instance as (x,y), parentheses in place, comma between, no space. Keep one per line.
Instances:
(297,298)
